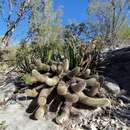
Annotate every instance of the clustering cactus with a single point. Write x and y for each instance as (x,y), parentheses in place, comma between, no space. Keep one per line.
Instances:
(70,84)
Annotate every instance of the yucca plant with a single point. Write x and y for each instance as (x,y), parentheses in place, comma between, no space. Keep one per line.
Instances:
(71,49)
(85,55)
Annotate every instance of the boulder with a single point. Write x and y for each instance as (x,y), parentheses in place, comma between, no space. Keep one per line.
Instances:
(111,86)
(117,67)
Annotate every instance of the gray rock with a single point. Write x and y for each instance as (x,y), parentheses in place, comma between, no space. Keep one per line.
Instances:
(6,91)
(93,127)
(110,128)
(13,115)
(16,118)
(2,79)
(124,98)
(111,86)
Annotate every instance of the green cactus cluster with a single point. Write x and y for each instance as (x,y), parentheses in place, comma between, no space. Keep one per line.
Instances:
(70,84)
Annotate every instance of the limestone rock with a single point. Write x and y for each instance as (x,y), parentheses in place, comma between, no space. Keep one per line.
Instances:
(16,118)
(6,91)
(111,86)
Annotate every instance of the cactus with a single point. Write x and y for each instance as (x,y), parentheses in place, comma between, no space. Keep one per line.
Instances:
(73,72)
(91,82)
(66,65)
(42,98)
(79,85)
(94,90)
(59,69)
(95,86)
(31,92)
(40,113)
(73,98)
(41,66)
(94,102)
(71,89)
(85,74)
(45,79)
(62,88)
(53,68)
(42,101)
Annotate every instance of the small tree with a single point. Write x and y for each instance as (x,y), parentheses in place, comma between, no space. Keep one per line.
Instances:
(107,17)
(14,8)
(44,25)
(124,32)
(45,34)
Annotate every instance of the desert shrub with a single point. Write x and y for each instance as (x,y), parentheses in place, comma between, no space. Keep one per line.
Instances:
(23,58)
(28,53)
(10,56)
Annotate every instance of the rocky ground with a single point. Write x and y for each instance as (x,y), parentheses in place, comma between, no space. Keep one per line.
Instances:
(14,116)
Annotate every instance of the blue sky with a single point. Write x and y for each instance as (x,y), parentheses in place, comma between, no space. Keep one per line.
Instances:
(73,10)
